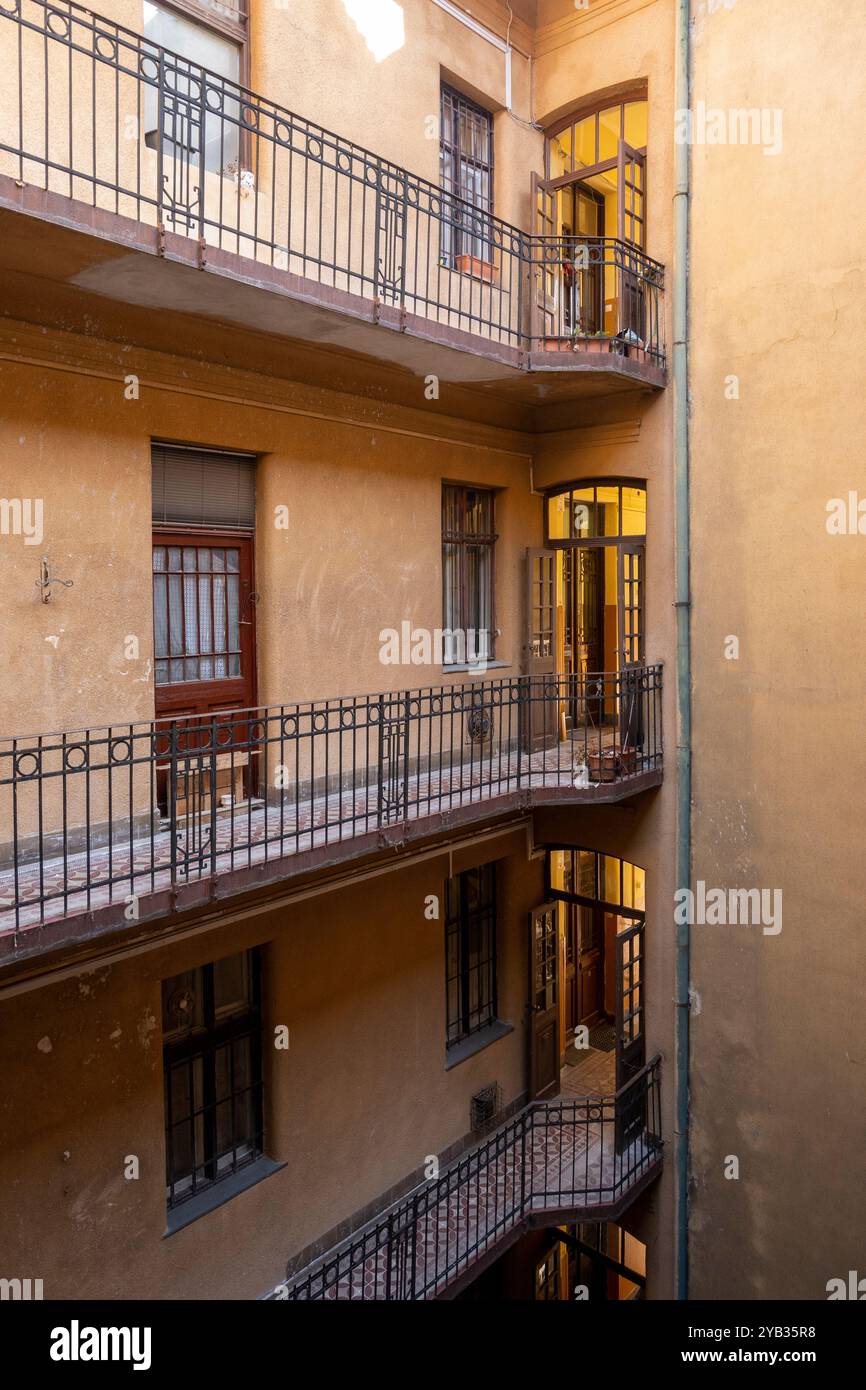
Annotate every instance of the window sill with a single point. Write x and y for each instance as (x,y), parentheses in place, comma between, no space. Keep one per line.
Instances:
(476,1043)
(479,666)
(221,1192)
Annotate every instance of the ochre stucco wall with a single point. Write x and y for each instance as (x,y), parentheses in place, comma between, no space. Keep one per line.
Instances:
(356,1104)
(778,1058)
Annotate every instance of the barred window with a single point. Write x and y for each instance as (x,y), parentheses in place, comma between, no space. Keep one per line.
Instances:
(212,1055)
(466,163)
(470,952)
(468,539)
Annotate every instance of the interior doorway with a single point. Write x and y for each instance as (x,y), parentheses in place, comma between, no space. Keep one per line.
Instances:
(586,593)
(587,948)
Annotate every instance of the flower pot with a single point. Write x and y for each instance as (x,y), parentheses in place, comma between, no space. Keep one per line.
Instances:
(612,763)
(475,266)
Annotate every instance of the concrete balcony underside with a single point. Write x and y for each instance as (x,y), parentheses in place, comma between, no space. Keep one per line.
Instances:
(65,263)
(86,892)
(557,1163)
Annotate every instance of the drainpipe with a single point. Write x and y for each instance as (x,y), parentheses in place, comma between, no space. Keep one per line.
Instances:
(684,708)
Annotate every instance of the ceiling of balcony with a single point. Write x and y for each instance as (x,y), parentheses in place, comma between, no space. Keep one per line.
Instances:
(87,271)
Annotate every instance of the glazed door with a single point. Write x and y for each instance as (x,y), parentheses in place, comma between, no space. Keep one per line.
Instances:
(540,724)
(546,272)
(631,231)
(544,1002)
(204,645)
(630,617)
(630,1037)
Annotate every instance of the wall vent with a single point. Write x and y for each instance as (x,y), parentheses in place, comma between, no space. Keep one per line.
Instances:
(485,1108)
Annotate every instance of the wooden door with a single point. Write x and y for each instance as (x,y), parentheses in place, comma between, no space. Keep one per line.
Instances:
(540,725)
(630,1036)
(630,616)
(589,267)
(544,291)
(544,1002)
(631,231)
(590,987)
(204,645)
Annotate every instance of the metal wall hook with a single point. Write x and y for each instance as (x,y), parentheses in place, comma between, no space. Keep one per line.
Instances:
(45,581)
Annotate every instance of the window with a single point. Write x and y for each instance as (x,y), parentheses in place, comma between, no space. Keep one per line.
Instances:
(468,539)
(211,1020)
(470,953)
(466,162)
(209,34)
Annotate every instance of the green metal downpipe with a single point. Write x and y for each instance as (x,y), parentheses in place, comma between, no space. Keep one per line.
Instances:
(684,701)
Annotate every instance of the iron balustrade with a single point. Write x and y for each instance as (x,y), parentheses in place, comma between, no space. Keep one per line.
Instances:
(554,1159)
(597,294)
(96,112)
(92,817)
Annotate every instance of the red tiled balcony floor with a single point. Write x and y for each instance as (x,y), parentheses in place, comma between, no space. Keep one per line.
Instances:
(557,1159)
(50,888)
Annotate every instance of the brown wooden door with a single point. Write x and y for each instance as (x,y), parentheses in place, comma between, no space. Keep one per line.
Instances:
(631,230)
(590,942)
(204,644)
(544,1002)
(630,1036)
(541,707)
(546,270)
(630,612)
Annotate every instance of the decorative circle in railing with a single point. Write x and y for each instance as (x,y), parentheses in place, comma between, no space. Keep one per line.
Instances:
(75,757)
(214,98)
(258,731)
(11,10)
(282,133)
(478,724)
(372,174)
(104,46)
(120,751)
(148,67)
(288,726)
(412,195)
(27,764)
(413,708)
(435,704)
(343,162)
(595,1112)
(250,117)
(320,722)
(457,700)
(58,24)
(314,147)
(347,718)
(190,93)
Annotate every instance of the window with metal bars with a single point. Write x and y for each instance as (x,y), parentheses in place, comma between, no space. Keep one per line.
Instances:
(470,952)
(196,606)
(468,540)
(466,164)
(212,1056)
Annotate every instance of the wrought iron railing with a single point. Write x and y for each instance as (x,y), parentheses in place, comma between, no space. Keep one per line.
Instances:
(597,294)
(553,1159)
(101,815)
(99,113)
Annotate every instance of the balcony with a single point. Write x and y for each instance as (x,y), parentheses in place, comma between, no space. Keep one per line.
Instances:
(176,813)
(556,1162)
(130,179)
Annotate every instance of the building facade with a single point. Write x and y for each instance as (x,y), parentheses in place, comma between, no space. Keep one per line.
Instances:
(338,861)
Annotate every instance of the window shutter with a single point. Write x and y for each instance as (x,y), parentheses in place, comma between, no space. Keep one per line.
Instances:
(203,487)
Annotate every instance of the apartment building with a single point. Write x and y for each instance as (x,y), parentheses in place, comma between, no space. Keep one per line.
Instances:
(346,683)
